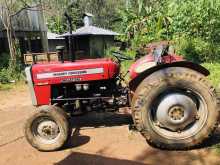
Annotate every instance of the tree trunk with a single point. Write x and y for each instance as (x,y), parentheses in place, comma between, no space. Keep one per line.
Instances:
(11,41)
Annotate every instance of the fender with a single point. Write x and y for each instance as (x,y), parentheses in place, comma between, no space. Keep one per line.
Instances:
(136,81)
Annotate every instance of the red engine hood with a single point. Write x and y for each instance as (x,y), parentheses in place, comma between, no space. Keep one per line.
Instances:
(80,70)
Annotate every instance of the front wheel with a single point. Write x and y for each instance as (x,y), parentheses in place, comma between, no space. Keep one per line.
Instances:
(175,108)
(47,129)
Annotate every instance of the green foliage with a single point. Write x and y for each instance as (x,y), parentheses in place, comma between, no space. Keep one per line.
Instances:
(5,86)
(4,58)
(143,22)
(54,14)
(126,64)
(56,25)
(15,86)
(194,25)
(198,50)
(105,13)
(5,75)
(9,72)
(198,22)
(214,76)
(196,18)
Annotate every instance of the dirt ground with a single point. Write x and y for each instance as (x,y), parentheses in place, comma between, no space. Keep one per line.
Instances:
(97,139)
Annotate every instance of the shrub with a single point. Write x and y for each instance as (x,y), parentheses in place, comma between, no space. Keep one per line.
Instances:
(197,50)
(10,73)
(214,76)
(4,58)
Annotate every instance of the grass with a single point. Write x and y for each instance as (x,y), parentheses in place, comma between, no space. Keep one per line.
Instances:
(10,86)
(4,87)
(214,76)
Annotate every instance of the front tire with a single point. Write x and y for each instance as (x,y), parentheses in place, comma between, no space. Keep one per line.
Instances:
(47,129)
(175,108)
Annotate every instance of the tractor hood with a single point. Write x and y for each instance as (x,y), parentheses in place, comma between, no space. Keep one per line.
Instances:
(80,70)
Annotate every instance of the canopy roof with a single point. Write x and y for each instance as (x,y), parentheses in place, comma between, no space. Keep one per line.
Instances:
(90,30)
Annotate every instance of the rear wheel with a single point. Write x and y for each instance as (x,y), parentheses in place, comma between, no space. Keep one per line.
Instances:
(48,129)
(175,108)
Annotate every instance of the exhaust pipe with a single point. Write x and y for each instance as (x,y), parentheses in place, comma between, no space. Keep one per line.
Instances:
(70,39)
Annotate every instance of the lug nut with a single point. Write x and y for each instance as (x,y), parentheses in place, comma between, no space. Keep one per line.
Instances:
(197,117)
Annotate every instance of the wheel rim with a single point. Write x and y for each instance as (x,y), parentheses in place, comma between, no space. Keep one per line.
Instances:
(179,113)
(45,130)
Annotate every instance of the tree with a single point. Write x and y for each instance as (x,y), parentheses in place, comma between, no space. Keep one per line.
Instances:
(143,21)
(9,9)
(104,11)
(196,27)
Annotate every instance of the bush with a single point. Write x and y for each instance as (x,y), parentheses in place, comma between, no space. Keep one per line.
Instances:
(4,58)
(214,76)
(10,73)
(5,75)
(198,50)
(194,23)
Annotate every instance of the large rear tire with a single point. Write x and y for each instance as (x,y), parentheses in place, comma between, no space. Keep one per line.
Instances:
(48,129)
(175,108)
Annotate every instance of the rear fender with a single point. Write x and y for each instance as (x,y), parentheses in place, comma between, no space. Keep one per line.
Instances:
(137,80)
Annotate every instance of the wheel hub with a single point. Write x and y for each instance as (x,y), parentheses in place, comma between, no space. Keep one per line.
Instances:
(176,111)
(48,130)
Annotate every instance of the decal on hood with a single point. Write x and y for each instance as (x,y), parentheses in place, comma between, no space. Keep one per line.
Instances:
(70,73)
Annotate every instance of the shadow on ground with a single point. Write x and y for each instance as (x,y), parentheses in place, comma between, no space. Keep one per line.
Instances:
(107,119)
(96,120)
(91,121)
(76,139)
(150,156)
(77,158)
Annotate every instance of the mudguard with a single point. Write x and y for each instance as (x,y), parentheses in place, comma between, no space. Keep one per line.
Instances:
(137,80)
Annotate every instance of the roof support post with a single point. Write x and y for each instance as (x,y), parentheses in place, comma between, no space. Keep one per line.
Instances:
(44,41)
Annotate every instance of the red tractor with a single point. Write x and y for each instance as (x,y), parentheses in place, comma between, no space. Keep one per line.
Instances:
(173,105)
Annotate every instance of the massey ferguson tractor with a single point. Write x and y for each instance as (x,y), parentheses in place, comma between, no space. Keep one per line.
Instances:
(173,104)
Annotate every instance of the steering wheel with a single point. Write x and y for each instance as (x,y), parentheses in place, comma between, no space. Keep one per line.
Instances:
(120,56)
(159,52)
